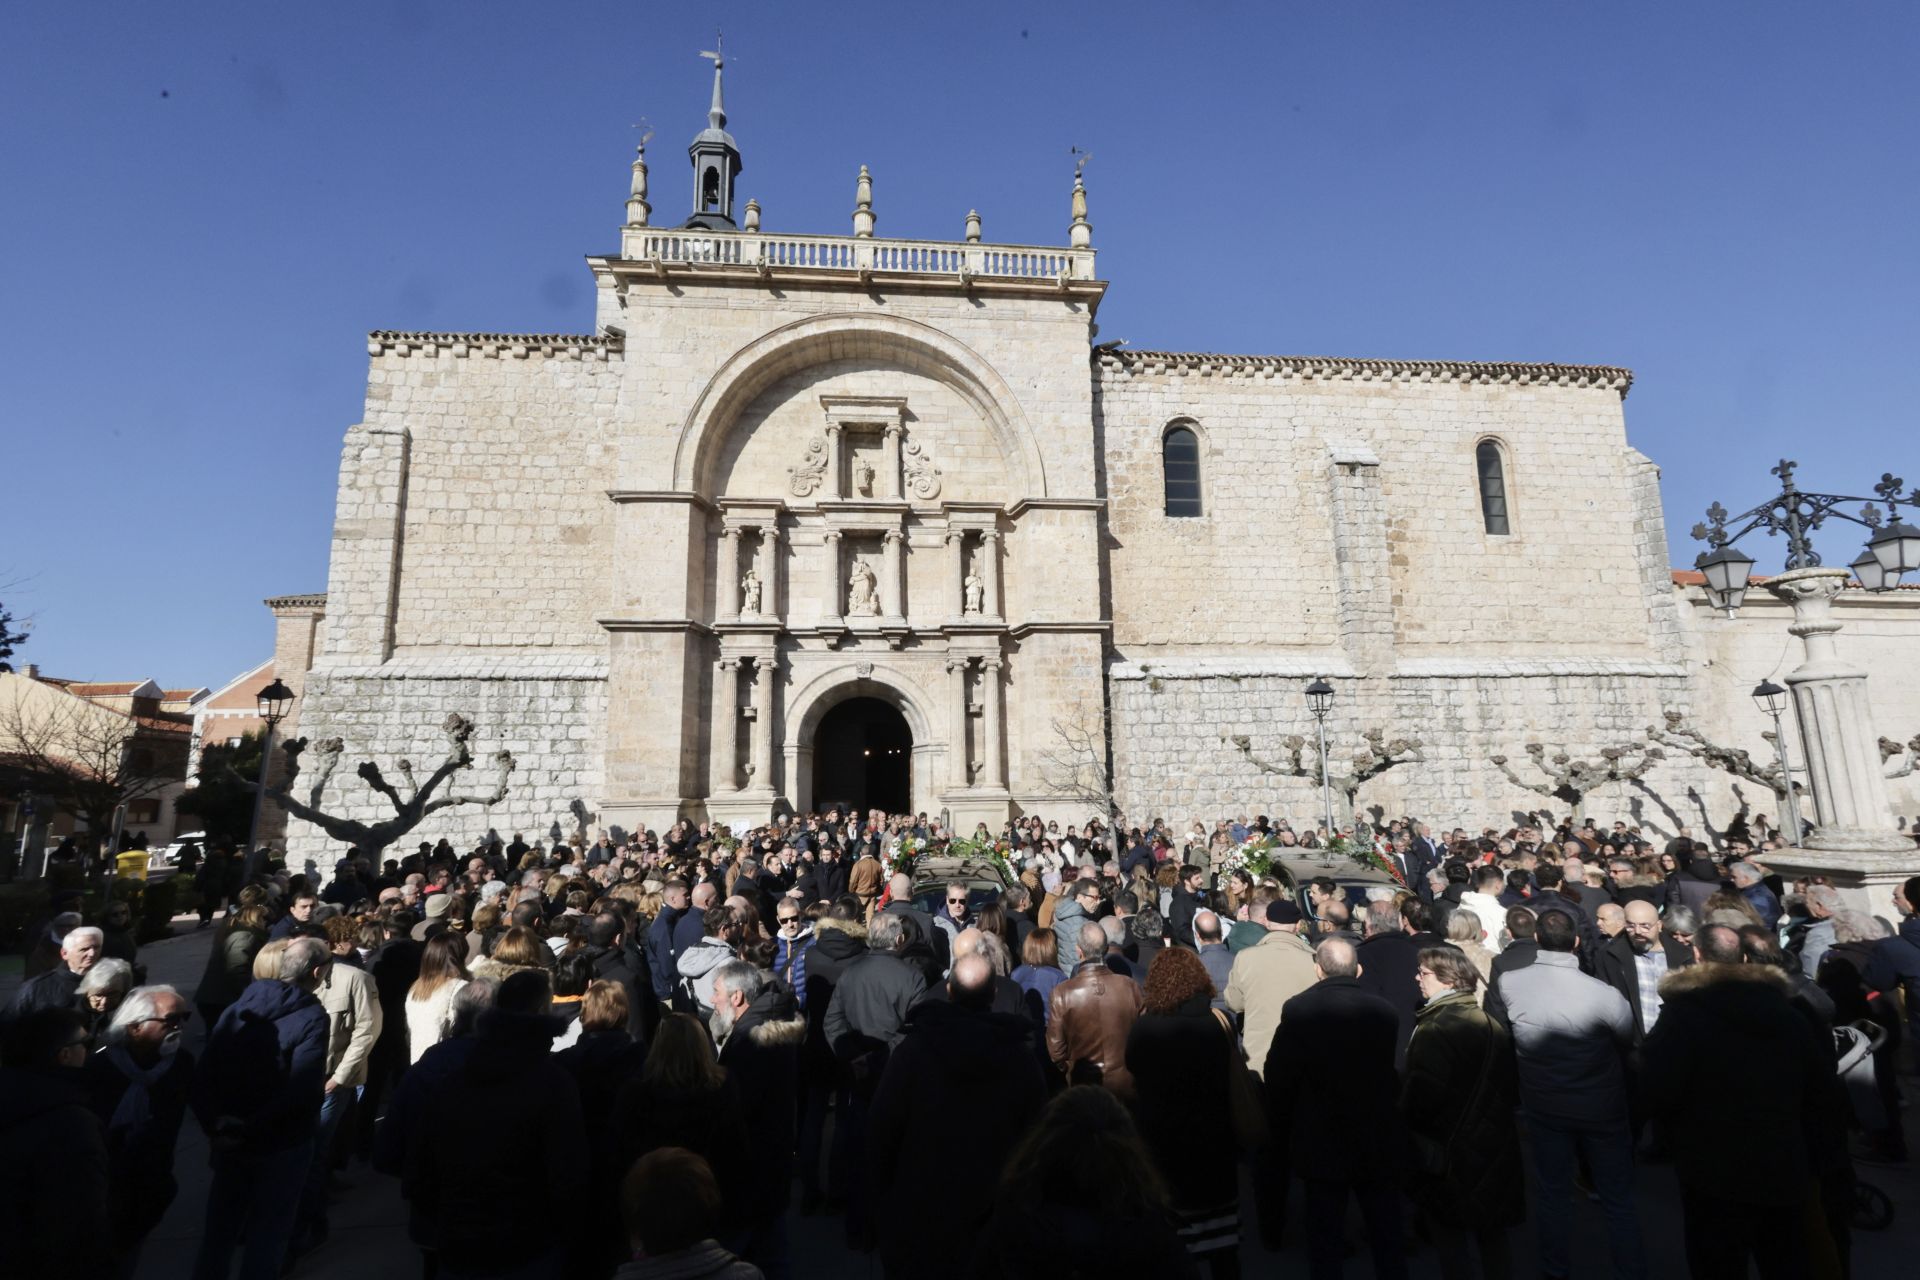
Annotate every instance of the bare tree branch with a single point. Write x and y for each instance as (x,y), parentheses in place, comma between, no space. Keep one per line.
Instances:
(1678,734)
(372,838)
(87,758)
(1574,780)
(1074,767)
(1375,756)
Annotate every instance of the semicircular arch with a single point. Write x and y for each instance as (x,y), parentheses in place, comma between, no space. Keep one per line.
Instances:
(809,704)
(848,336)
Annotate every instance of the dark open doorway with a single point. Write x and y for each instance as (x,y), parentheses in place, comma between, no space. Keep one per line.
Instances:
(863,758)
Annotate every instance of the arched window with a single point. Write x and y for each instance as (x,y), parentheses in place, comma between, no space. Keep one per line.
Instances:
(1493,487)
(1180,465)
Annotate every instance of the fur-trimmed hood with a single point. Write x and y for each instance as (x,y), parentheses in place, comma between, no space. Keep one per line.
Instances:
(773,1021)
(852,928)
(1700,977)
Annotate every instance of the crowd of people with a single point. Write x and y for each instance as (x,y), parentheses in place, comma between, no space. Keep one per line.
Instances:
(642,1058)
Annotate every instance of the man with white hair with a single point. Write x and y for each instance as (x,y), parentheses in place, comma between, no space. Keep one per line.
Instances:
(1751,885)
(1814,939)
(56,988)
(138,1084)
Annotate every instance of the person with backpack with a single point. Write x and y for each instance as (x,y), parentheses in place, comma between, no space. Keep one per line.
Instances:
(258,1095)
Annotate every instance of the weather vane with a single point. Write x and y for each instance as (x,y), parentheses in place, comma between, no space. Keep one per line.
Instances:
(1081,162)
(716,53)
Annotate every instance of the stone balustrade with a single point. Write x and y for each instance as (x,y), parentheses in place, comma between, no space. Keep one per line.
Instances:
(760,250)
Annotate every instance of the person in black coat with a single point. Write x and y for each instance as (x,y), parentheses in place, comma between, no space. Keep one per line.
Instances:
(839,939)
(138,1085)
(1389,958)
(471,1159)
(1771,1071)
(957,1052)
(1331,1084)
(54,1173)
(1620,961)
(1181,1056)
(613,962)
(1188,898)
(761,1032)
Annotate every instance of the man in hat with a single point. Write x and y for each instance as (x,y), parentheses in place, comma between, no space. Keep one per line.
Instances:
(435,921)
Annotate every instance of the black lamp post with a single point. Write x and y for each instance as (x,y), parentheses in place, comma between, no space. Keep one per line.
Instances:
(1772,701)
(274,701)
(1320,703)
(1892,550)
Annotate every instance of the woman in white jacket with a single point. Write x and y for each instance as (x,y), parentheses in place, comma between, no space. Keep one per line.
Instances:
(443,971)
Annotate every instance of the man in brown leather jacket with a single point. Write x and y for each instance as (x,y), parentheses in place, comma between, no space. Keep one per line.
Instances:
(864,882)
(1090,1015)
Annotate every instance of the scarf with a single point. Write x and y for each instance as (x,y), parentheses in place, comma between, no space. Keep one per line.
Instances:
(135,1108)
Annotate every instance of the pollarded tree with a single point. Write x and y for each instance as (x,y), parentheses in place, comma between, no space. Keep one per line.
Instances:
(1900,759)
(1376,755)
(1678,734)
(1572,781)
(409,810)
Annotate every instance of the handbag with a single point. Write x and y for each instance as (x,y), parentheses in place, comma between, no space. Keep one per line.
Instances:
(1247,1107)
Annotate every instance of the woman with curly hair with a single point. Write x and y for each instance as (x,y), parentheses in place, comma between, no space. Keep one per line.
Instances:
(1180,1055)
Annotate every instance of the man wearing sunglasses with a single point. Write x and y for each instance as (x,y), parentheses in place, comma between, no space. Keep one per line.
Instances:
(138,1085)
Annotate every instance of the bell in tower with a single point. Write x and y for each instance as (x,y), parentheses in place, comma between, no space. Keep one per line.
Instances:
(716,161)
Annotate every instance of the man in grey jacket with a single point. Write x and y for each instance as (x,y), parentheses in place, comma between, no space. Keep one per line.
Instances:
(1569,1034)
(352,1002)
(1070,914)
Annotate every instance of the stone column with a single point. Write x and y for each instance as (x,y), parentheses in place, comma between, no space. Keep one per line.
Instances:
(896,485)
(830,583)
(957,717)
(768,567)
(726,726)
(1854,840)
(990,573)
(957,558)
(762,747)
(834,440)
(892,564)
(995,774)
(729,599)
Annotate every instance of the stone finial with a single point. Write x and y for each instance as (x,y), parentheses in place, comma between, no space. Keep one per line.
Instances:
(753,215)
(1080,231)
(637,207)
(863,205)
(973,226)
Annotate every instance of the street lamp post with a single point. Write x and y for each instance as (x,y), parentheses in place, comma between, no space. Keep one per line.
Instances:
(274,700)
(1772,700)
(1853,840)
(1320,702)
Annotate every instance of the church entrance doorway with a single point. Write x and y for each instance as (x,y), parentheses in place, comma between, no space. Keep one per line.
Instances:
(863,758)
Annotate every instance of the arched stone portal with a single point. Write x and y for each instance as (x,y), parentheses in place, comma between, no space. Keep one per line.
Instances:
(863,757)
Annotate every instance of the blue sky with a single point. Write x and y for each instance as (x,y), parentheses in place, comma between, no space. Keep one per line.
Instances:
(206,206)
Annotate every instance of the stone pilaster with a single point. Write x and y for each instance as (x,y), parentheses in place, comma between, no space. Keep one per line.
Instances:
(363,574)
(726,726)
(1361,556)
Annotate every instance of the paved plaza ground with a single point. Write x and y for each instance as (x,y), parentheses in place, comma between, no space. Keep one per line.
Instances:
(370,1238)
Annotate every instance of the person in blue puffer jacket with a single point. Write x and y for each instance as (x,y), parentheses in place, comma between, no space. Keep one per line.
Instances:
(793,939)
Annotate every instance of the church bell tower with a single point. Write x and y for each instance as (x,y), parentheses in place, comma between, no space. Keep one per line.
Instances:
(716,161)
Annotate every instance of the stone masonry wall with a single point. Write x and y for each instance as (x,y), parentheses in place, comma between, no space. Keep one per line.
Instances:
(507,533)
(1257,567)
(550,711)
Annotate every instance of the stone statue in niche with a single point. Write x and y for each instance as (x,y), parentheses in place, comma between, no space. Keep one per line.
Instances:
(750,593)
(861,601)
(923,478)
(863,477)
(812,472)
(976,592)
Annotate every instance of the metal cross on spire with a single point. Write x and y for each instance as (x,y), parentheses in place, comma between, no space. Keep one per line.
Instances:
(717,113)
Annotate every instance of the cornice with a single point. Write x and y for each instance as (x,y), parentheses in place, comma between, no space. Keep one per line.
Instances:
(318,600)
(1128,363)
(514,346)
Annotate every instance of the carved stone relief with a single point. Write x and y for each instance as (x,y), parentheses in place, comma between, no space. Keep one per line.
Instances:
(811,472)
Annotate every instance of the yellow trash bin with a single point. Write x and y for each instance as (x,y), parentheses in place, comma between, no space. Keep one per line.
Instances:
(131,865)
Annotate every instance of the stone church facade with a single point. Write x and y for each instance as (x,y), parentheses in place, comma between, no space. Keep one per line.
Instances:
(810,519)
